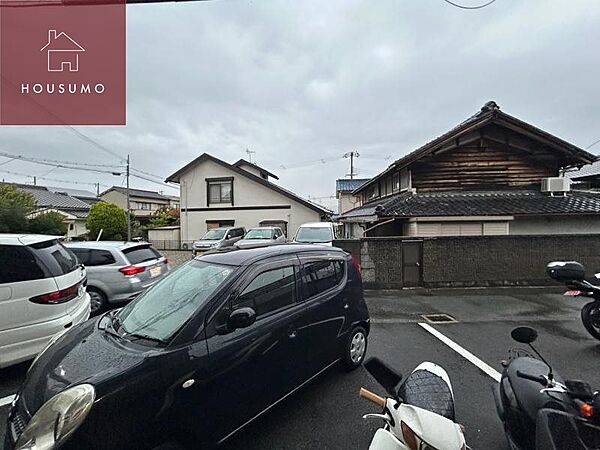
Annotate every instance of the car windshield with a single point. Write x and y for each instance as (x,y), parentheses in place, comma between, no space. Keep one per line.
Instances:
(314,234)
(162,310)
(214,234)
(259,233)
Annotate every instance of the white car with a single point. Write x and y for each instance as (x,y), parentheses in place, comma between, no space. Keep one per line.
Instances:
(316,233)
(261,236)
(42,293)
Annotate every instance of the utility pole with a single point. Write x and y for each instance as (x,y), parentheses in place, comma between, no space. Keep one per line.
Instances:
(97,189)
(128,205)
(351,155)
(34,181)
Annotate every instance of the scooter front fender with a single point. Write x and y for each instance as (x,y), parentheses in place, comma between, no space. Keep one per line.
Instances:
(385,440)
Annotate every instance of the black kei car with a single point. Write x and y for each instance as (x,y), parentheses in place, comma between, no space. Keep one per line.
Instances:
(198,356)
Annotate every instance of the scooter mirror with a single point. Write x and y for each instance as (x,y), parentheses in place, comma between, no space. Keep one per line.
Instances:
(387,377)
(524,335)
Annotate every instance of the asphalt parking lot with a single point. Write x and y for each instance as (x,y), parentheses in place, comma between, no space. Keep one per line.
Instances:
(328,412)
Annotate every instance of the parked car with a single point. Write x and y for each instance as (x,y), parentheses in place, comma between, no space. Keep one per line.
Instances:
(211,347)
(218,238)
(322,233)
(42,292)
(118,271)
(261,236)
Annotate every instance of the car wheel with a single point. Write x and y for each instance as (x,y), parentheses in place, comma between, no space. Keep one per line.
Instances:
(356,348)
(98,301)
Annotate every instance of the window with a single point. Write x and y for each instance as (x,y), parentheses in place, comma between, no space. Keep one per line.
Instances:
(210,224)
(83,255)
(388,185)
(22,265)
(55,257)
(101,258)
(396,182)
(140,254)
(372,192)
(269,291)
(404,179)
(219,190)
(161,311)
(320,276)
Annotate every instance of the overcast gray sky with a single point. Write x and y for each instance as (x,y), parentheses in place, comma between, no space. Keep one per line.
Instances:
(302,80)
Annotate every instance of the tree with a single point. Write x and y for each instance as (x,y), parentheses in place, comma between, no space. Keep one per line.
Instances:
(109,218)
(48,223)
(164,217)
(15,204)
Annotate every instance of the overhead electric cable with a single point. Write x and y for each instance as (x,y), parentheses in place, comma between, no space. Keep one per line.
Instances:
(470,7)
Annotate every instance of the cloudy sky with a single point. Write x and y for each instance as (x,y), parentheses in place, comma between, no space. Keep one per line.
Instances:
(301,82)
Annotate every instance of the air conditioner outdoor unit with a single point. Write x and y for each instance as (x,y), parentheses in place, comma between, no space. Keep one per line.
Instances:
(556,184)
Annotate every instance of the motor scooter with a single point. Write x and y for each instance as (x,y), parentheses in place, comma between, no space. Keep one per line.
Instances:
(572,274)
(530,395)
(419,412)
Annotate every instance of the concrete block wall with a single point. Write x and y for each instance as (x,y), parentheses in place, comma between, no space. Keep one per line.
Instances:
(463,261)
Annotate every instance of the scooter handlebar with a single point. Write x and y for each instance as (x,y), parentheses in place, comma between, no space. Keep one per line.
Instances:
(537,378)
(372,397)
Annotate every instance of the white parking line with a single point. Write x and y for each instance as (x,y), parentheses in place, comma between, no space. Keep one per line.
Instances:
(462,352)
(6,400)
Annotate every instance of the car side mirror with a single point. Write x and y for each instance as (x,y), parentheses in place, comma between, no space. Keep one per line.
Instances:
(241,318)
(228,236)
(524,335)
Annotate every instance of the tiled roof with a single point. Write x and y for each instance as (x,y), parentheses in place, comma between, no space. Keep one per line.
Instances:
(589,170)
(346,184)
(137,193)
(480,203)
(79,193)
(45,198)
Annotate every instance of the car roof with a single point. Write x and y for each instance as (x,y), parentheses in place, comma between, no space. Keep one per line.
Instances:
(25,239)
(317,224)
(242,257)
(262,228)
(104,245)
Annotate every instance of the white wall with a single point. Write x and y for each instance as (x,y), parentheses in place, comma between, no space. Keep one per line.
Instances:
(556,225)
(245,193)
(347,201)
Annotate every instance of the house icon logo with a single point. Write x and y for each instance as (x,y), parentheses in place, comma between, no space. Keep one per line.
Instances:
(63,52)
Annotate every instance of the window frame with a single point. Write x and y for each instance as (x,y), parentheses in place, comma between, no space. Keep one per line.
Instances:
(306,260)
(215,313)
(219,181)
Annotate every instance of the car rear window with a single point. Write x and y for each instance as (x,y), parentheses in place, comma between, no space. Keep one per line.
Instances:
(320,276)
(55,257)
(19,264)
(140,254)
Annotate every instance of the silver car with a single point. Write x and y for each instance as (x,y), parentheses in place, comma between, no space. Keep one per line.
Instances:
(261,236)
(218,238)
(118,272)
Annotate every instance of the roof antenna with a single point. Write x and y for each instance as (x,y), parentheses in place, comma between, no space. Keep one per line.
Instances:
(250,153)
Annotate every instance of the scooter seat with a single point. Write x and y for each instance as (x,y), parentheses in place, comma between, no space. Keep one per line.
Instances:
(428,391)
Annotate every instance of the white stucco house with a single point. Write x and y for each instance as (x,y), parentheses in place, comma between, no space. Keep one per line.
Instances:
(215,193)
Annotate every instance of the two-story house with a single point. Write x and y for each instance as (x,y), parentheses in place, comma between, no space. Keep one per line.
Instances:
(143,203)
(215,193)
(491,174)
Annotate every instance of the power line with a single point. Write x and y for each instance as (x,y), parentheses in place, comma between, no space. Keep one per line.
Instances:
(54,161)
(470,7)
(592,144)
(50,179)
